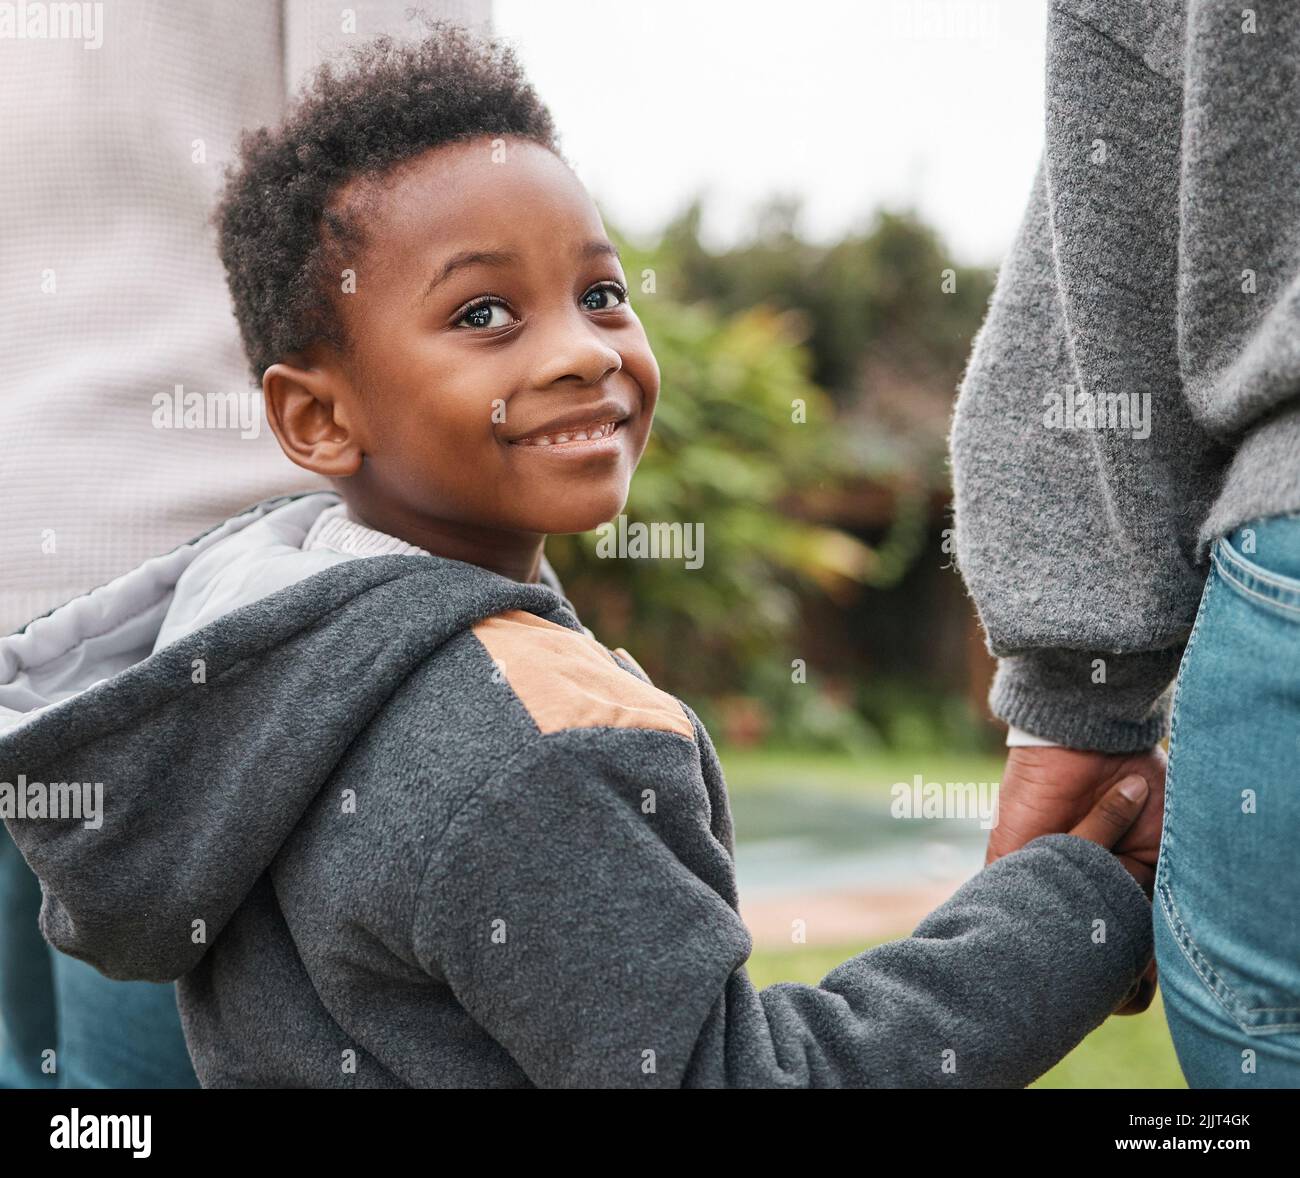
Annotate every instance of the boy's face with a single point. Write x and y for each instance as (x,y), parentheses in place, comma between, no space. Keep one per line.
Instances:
(497,381)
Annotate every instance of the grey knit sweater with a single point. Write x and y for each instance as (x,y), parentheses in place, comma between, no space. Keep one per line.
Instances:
(1133,392)
(401,822)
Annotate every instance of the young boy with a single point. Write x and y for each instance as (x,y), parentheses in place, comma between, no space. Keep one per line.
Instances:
(370,790)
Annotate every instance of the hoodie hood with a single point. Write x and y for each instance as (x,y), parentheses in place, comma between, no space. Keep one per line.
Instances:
(206,696)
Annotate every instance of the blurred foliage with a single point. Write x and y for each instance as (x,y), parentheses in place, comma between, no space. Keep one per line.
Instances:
(763,410)
(727,450)
(877,292)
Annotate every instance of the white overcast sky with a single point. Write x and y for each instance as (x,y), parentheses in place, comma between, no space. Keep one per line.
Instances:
(933,103)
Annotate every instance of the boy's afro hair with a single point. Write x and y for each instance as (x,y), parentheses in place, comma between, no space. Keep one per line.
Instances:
(283,249)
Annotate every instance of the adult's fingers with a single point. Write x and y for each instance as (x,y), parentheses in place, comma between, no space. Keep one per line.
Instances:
(1145,991)
(1117,810)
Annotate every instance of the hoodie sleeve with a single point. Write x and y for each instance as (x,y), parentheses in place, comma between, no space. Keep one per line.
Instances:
(568,906)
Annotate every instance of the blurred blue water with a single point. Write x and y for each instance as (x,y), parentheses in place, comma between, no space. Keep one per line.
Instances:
(790,840)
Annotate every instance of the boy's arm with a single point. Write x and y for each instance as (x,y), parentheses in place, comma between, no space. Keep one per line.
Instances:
(573,908)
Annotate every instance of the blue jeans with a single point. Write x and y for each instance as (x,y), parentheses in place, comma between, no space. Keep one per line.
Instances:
(1227,913)
(62,1023)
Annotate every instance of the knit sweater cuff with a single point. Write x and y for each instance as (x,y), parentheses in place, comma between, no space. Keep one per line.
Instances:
(1109,703)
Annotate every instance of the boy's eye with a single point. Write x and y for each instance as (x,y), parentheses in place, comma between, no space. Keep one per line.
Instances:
(490,311)
(598,293)
(484,313)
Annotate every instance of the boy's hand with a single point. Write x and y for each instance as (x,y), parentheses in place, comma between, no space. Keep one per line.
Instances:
(1107,824)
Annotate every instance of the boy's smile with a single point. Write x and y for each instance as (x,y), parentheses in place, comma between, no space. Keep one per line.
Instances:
(574,430)
(497,386)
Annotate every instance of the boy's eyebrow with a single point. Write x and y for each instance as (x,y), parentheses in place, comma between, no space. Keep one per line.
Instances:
(591,249)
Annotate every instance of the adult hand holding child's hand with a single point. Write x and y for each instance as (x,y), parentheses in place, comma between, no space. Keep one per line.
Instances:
(1045,790)
(1111,819)
(1049,789)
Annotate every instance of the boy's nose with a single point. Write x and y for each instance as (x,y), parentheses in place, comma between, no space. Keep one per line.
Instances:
(576,354)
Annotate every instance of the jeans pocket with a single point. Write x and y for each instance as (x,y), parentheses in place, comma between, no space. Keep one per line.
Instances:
(1228,877)
(1261,562)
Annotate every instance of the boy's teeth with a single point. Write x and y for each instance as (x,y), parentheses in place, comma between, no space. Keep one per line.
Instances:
(579,435)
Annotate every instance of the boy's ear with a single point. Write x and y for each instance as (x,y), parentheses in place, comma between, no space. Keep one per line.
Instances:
(309,410)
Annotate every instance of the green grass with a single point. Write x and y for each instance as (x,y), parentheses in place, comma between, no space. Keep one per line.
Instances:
(1130,1052)
(840,774)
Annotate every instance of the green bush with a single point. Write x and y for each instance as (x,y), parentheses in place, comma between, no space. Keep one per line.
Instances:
(792,373)
(740,431)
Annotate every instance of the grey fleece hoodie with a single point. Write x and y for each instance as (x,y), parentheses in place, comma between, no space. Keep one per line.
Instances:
(1155,278)
(401,822)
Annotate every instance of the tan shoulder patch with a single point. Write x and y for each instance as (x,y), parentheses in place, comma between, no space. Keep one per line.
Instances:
(567,680)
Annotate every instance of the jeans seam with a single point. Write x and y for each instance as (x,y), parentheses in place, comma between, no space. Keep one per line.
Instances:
(1178,688)
(1214,983)
(1189,950)
(1167,905)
